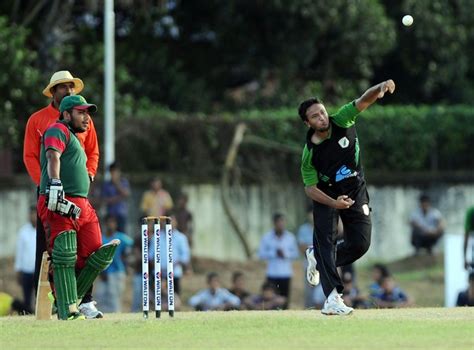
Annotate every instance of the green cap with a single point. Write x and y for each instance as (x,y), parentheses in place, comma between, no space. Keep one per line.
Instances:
(76,102)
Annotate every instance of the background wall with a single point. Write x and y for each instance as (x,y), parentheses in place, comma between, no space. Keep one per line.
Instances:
(254,206)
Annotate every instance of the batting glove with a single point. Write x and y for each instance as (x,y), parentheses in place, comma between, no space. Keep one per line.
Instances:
(68,209)
(54,193)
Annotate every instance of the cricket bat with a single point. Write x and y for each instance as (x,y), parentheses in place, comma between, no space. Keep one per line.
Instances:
(43,304)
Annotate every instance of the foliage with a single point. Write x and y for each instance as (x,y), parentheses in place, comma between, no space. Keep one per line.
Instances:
(187,59)
(17,82)
(393,139)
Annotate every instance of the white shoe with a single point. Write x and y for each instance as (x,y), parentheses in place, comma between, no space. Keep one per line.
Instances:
(90,311)
(312,273)
(335,306)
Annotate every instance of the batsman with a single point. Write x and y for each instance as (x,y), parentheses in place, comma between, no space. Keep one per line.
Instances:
(71,225)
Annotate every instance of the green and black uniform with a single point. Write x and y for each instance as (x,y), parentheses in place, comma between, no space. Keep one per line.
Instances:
(333,165)
(469,229)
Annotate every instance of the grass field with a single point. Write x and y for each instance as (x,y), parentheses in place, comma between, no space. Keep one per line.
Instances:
(423,328)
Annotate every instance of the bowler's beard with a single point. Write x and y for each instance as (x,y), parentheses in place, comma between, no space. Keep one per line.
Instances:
(323,129)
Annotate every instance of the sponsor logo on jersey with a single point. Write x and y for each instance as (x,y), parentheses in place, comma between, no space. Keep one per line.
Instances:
(344,172)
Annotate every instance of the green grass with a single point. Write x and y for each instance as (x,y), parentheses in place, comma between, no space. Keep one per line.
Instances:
(429,328)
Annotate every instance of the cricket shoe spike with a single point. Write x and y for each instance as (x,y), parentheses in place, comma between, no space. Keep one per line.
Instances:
(312,273)
(89,310)
(334,305)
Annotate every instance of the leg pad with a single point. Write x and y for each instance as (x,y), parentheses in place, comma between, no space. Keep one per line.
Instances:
(64,258)
(95,264)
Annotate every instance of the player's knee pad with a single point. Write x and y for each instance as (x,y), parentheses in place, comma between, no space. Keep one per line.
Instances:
(95,264)
(64,252)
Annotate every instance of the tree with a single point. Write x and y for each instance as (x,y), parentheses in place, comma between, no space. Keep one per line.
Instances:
(236,42)
(432,58)
(18,83)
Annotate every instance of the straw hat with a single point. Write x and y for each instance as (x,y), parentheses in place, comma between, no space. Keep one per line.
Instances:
(63,76)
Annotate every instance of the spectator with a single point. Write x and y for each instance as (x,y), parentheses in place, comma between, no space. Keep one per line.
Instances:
(392,296)
(111,284)
(156,201)
(468,232)
(379,272)
(278,247)
(427,225)
(115,193)
(351,294)
(268,300)
(184,217)
(181,253)
(305,240)
(214,297)
(466,298)
(238,286)
(25,257)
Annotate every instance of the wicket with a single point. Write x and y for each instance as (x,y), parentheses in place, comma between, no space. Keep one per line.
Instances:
(157,264)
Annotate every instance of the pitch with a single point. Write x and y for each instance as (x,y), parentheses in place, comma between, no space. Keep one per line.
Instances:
(427,328)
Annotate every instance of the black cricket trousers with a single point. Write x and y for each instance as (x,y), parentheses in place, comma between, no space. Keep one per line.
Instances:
(356,242)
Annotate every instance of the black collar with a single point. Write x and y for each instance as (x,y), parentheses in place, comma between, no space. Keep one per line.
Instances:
(309,134)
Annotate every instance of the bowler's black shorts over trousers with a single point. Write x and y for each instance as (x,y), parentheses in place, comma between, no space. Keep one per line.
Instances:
(357,230)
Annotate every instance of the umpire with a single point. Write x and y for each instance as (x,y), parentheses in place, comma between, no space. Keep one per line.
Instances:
(333,179)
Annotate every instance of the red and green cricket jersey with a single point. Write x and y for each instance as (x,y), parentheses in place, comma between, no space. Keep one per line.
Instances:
(73,171)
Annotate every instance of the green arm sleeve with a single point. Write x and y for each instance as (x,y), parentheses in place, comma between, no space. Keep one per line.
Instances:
(308,172)
(468,221)
(346,115)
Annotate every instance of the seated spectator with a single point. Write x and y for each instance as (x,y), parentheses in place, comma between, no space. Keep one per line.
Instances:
(466,298)
(427,226)
(351,294)
(268,300)
(392,296)
(379,271)
(214,297)
(238,286)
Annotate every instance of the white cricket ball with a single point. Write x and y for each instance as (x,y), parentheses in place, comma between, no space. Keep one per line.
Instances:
(407,20)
